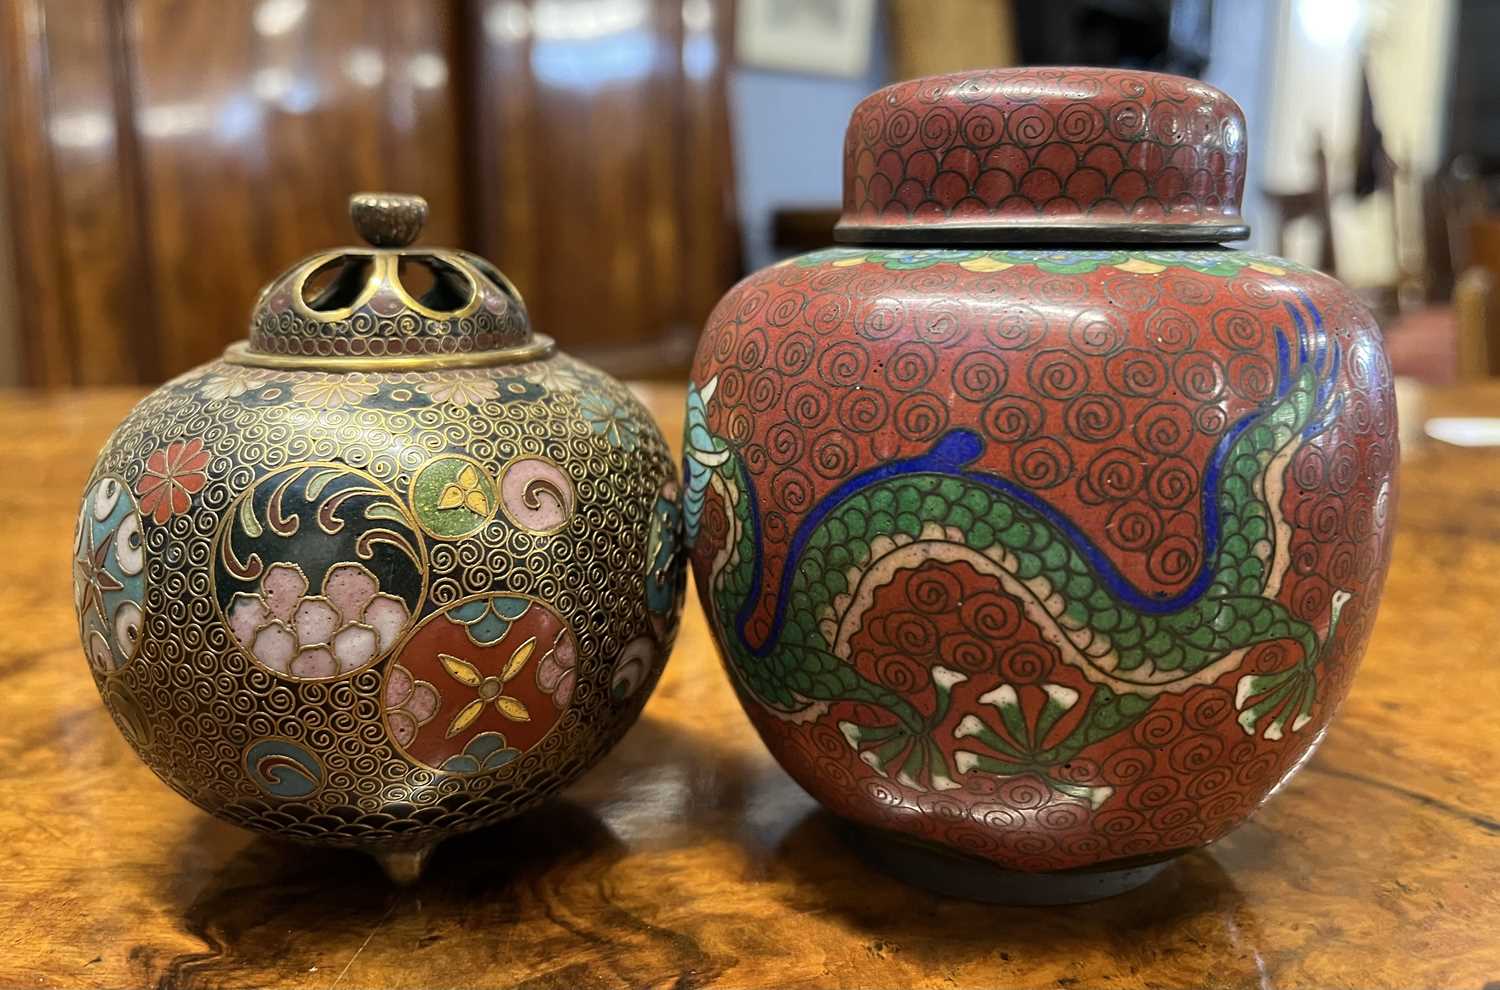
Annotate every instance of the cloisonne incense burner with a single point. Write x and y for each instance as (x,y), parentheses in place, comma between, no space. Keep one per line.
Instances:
(391,569)
(1041,534)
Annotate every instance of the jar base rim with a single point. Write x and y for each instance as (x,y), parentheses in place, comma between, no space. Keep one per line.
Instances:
(955,875)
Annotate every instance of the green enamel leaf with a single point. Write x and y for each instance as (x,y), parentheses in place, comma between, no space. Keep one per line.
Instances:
(318,482)
(386,511)
(248,523)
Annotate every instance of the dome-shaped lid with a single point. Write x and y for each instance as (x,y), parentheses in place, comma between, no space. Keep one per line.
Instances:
(1044,154)
(389,306)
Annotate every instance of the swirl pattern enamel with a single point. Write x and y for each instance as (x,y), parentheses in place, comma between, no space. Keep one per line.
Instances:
(375,608)
(1109,145)
(1058,558)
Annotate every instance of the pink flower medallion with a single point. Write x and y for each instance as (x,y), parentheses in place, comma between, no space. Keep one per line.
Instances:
(319,571)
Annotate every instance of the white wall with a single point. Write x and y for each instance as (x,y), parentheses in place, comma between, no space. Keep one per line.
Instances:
(789,143)
(1240,63)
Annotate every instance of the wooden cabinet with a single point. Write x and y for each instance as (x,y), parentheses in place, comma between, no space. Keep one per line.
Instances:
(165,158)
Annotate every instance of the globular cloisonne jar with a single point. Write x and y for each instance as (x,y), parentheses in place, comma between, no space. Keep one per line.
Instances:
(1040,533)
(390,570)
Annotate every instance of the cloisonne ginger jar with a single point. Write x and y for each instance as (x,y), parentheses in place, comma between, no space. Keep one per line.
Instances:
(392,569)
(1040,533)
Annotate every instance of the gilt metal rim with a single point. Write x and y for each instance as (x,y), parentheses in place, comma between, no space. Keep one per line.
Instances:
(541,346)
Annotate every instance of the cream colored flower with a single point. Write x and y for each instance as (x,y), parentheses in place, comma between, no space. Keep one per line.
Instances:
(461,391)
(557,376)
(330,393)
(228,384)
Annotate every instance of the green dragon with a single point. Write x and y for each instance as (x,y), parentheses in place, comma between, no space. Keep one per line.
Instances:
(1132,645)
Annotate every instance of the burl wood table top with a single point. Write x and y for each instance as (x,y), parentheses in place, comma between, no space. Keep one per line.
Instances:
(687,858)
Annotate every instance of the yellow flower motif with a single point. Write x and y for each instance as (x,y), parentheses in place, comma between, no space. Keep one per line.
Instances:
(491,689)
(330,393)
(857,259)
(1261,266)
(985,264)
(465,491)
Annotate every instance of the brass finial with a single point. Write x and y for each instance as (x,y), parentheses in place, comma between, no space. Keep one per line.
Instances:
(387,220)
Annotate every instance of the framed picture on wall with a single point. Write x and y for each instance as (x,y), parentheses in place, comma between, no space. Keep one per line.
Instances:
(825,37)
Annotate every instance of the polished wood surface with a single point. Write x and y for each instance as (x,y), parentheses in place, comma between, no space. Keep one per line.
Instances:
(164,159)
(606,135)
(688,859)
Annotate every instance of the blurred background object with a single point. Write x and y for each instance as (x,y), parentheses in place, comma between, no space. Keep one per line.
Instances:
(931,38)
(831,37)
(165,158)
(626,160)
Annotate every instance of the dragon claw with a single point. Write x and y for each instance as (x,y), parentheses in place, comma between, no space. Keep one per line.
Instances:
(1278,699)
(912,758)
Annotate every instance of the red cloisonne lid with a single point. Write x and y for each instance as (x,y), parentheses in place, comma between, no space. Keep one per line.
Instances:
(1044,154)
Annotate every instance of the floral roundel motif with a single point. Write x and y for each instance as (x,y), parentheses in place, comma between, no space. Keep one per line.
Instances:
(479,683)
(537,495)
(636,663)
(452,496)
(283,768)
(318,571)
(109,565)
